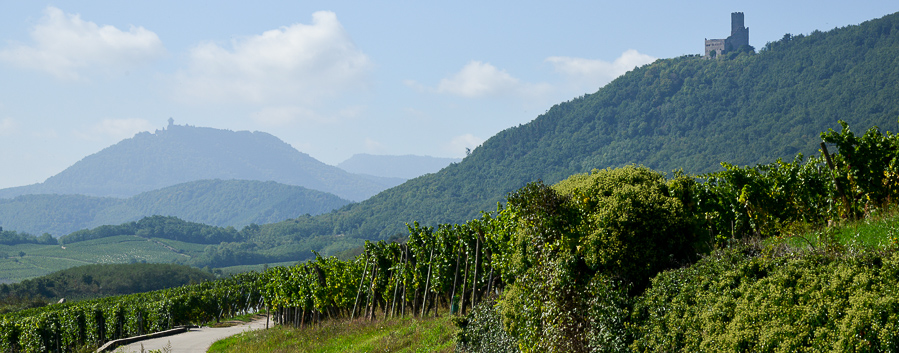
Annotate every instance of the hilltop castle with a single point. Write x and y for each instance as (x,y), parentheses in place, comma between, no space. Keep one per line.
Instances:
(739,36)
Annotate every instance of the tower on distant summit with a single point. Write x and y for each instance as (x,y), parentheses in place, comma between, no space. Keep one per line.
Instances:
(739,36)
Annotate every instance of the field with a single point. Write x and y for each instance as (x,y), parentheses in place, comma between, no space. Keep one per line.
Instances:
(26,261)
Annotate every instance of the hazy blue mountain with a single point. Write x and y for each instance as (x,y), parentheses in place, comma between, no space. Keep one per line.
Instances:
(404,167)
(215,202)
(179,154)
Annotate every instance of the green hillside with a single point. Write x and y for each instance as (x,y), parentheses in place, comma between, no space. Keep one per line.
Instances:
(98,280)
(686,112)
(159,239)
(215,202)
(179,154)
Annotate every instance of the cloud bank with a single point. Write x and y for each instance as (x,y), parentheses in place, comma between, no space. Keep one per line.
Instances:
(67,47)
(298,63)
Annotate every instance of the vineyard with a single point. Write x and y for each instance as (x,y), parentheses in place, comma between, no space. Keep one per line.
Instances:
(605,234)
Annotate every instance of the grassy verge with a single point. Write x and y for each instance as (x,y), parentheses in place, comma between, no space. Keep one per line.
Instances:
(879,230)
(393,335)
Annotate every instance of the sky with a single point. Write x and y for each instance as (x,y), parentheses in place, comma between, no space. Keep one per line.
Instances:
(337,78)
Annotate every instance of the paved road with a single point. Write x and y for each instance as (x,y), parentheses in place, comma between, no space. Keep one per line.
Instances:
(196,340)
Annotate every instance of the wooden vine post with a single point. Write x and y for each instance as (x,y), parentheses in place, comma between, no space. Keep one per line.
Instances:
(474,282)
(424,302)
(359,291)
(455,277)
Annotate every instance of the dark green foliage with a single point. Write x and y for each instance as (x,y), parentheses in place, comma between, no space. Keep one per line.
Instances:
(11,237)
(215,202)
(159,227)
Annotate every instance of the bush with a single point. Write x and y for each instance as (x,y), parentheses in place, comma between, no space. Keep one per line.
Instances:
(600,233)
(482,331)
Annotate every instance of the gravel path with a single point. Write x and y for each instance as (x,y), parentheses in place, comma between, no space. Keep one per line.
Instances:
(196,340)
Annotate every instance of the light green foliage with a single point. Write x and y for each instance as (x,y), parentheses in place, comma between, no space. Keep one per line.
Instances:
(634,224)
(574,238)
(732,302)
(867,166)
(765,199)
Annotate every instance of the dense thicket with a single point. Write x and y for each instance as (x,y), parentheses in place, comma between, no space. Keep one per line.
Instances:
(685,112)
(215,202)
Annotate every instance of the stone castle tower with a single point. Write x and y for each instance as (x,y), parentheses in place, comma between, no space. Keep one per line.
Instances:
(739,36)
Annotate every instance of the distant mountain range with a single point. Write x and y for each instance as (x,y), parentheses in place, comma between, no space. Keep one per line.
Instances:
(405,167)
(214,202)
(179,154)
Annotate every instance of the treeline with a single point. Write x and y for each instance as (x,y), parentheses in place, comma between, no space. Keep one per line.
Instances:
(97,280)
(224,246)
(159,227)
(11,237)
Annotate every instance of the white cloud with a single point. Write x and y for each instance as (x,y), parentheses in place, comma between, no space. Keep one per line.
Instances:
(458,144)
(478,80)
(66,46)
(297,63)
(280,116)
(286,115)
(596,73)
(8,127)
(373,146)
(117,129)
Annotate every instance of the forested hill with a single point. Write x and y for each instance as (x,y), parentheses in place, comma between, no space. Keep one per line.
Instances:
(685,112)
(214,202)
(180,154)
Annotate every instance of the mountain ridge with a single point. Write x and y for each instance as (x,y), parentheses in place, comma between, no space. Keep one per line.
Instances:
(181,153)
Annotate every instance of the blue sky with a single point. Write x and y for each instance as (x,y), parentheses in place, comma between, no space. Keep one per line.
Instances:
(335,78)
